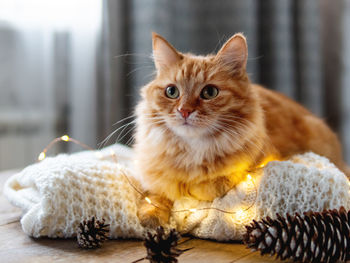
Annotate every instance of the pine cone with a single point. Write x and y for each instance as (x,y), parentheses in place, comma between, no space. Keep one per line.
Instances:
(91,233)
(313,237)
(161,247)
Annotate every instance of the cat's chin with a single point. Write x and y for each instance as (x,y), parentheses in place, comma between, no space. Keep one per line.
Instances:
(188,130)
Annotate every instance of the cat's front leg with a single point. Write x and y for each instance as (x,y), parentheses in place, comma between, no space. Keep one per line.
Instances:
(210,189)
(155,214)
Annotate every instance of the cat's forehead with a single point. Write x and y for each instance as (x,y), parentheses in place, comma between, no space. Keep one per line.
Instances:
(194,69)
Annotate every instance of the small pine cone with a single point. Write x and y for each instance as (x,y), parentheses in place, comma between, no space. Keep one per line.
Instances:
(313,237)
(161,247)
(91,233)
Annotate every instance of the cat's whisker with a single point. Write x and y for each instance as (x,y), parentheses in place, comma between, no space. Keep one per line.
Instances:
(151,118)
(251,142)
(132,54)
(228,124)
(129,117)
(238,129)
(242,127)
(225,133)
(103,143)
(230,132)
(136,69)
(130,140)
(130,129)
(153,73)
(157,122)
(235,134)
(125,128)
(233,118)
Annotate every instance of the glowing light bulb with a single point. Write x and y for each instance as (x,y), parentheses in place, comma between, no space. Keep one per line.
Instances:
(65,138)
(112,152)
(41,156)
(240,213)
(148,200)
(192,210)
(249,177)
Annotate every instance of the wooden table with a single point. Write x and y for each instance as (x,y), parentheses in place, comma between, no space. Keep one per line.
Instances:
(15,246)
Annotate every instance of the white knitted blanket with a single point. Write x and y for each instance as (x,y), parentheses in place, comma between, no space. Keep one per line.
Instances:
(58,193)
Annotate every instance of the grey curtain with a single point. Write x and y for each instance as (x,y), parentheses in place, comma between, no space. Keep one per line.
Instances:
(298,47)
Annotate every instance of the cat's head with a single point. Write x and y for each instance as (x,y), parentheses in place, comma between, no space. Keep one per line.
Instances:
(199,95)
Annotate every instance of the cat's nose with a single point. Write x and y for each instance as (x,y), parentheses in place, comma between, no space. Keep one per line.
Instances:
(185,113)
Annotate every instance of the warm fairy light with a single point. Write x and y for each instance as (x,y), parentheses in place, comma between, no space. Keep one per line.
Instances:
(65,138)
(267,160)
(192,210)
(249,177)
(41,156)
(240,213)
(148,200)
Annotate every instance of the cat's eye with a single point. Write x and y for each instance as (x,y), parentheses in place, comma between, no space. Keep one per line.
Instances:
(209,92)
(172,92)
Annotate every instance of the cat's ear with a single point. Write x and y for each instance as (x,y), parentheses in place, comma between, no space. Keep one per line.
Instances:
(234,53)
(164,54)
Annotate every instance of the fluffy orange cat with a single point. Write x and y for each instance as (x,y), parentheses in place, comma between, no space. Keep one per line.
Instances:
(201,125)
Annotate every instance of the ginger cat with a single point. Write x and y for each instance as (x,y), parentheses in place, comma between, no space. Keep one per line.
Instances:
(201,125)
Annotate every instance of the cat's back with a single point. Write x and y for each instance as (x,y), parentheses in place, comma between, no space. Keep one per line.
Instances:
(273,102)
(294,129)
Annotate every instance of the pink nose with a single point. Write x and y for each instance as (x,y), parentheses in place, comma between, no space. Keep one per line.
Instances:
(184,112)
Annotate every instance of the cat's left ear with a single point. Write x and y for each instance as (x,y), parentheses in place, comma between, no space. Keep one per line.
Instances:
(164,54)
(234,53)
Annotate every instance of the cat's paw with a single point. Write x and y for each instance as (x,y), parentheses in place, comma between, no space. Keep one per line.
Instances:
(153,217)
(150,221)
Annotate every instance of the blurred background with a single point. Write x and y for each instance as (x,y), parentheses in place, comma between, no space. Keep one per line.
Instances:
(76,67)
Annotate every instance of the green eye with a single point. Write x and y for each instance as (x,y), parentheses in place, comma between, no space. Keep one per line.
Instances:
(209,92)
(172,92)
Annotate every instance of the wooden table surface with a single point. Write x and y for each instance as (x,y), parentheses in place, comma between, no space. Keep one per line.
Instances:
(15,246)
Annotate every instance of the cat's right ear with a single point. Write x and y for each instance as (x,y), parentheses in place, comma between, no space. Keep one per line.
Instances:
(164,54)
(234,53)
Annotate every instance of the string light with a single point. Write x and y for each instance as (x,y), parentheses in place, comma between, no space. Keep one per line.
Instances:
(239,213)
(267,160)
(148,200)
(65,138)
(41,156)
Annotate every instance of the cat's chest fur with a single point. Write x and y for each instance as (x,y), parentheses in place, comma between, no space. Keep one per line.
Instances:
(193,156)
(176,168)
(174,165)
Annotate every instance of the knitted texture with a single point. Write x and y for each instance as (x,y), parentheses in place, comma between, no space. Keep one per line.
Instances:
(305,182)
(60,192)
